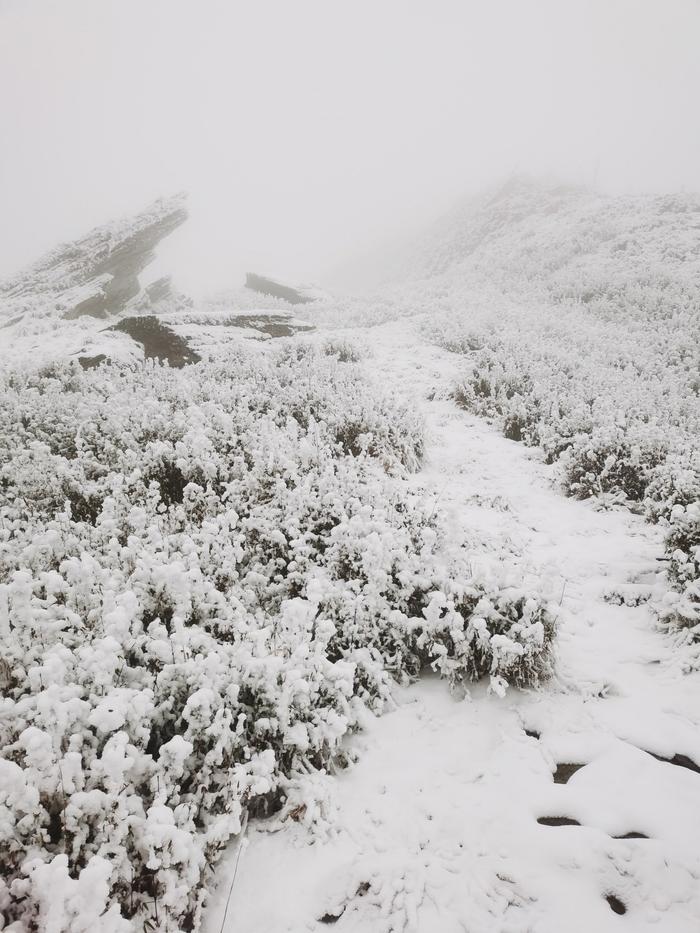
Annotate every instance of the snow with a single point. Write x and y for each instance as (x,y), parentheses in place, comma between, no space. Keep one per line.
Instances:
(435,826)
(209,576)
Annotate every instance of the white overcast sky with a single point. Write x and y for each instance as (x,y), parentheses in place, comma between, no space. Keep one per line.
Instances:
(307,130)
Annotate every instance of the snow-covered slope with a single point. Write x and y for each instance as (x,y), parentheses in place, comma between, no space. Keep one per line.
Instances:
(577,318)
(213,578)
(543,812)
(561,236)
(574,807)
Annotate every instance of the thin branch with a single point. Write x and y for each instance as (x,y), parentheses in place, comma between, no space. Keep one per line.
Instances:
(235,868)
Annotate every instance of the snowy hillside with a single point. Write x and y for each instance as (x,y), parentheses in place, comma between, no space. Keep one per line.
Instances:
(560,237)
(577,317)
(384,619)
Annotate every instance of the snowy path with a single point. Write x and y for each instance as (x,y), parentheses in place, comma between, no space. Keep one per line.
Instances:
(436,827)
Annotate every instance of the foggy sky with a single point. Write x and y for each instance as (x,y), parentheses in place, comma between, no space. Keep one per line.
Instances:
(308,130)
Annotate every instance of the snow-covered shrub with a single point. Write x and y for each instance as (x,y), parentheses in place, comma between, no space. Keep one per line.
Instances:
(673,500)
(345,351)
(56,901)
(206,576)
(683,550)
(608,461)
(463,626)
(480,629)
(628,594)
(675,482)
(496,389)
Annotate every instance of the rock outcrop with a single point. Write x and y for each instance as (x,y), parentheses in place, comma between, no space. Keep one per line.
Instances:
(294,294)
(271,325)
(160,297)
(97,275)
(159,342)
(83,301)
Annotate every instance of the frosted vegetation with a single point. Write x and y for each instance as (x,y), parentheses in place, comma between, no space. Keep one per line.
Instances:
(600,366)
(578,319)
(624,431)
(208,576)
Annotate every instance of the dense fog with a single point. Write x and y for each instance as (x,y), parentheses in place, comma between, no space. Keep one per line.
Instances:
(311,132)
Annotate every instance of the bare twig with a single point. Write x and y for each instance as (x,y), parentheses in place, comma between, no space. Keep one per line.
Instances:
(563,590)
(438,497)
(235,868)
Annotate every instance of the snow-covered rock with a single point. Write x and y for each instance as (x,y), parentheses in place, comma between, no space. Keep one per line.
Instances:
(293,294)
(98,274)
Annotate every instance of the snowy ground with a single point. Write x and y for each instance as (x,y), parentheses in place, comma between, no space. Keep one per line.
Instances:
(435,828)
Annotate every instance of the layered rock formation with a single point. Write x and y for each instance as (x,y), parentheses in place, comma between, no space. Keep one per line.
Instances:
(97,275)
(83,301)
(294,294)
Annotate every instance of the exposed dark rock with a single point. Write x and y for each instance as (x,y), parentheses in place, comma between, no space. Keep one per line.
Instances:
(616,904)
(158,341)
(281,323)
(98,274)
(90,362)
(632,835)
(565,771)
(681,761)
(557,821)
(275,325)
(295,295)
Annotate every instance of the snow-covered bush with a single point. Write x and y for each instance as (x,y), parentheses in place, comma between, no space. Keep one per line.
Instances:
(682,606)
(478,630)
(344,350)
(609,461)
(206,575)
(673,500)
(675,482)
